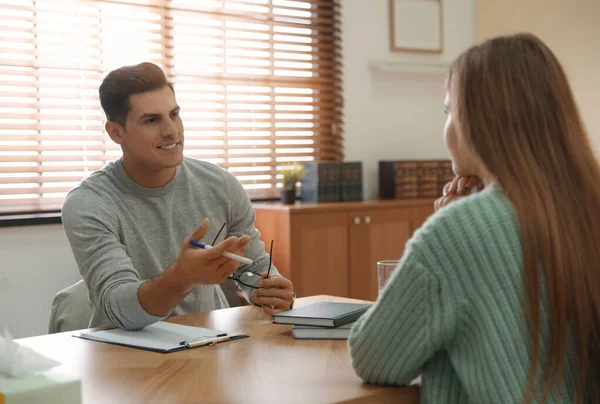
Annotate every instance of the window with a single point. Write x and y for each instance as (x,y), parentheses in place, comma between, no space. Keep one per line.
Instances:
(258,81)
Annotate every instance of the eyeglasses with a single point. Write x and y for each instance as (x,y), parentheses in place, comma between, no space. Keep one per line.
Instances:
(246,274)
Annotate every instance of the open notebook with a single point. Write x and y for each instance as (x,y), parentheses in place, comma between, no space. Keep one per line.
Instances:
(159,337)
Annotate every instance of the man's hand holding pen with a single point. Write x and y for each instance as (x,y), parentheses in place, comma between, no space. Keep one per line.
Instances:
(194,266)
(201,263)
(208,266)
(276,294)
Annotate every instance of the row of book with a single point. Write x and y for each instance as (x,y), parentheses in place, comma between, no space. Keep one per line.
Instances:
(342,181)
(413,179)
(332,182)
(323,320)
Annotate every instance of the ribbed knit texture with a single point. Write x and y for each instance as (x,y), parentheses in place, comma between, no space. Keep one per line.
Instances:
(452,312)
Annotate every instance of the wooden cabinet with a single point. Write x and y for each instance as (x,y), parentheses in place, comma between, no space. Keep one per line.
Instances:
(333,248)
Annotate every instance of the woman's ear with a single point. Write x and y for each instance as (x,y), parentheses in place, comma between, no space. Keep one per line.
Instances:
(115,131)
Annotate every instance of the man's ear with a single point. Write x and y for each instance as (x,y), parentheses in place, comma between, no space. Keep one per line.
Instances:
(115,131)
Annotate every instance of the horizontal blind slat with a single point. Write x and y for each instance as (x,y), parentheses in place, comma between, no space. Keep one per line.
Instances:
(262,91)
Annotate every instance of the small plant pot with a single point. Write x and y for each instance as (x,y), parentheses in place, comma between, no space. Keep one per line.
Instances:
(288,196)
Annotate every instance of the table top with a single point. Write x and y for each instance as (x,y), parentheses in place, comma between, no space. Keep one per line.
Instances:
(268,367)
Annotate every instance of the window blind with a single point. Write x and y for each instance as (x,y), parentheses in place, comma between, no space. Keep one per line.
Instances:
(258,81)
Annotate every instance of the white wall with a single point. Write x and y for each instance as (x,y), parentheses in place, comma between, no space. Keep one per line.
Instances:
(387,116)
(394,115)
(571,30)
(35,263)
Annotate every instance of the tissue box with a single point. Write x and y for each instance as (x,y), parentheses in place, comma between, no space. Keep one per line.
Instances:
(49,387)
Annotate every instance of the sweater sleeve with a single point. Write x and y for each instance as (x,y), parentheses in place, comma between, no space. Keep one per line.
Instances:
(413,319)
(107,270)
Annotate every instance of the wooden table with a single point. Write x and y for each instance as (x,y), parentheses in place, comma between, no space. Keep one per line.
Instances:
(268,367)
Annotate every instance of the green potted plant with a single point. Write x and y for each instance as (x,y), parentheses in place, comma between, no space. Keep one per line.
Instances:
(291,175)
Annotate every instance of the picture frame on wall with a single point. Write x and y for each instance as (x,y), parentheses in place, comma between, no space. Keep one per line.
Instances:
(416,26)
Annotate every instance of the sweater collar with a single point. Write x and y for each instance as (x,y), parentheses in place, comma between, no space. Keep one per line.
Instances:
(138,189)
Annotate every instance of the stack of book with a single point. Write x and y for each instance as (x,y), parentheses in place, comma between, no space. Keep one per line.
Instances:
(413,179)
(332,182)
(324,320)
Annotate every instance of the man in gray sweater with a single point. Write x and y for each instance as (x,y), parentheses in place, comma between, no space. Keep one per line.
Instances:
(130,223)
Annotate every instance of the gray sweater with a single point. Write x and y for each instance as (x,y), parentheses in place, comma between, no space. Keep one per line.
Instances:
(122,233)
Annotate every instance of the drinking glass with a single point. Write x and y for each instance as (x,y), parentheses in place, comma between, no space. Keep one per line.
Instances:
(384,272)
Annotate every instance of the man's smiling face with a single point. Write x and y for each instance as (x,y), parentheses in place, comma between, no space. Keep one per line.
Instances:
(152,140)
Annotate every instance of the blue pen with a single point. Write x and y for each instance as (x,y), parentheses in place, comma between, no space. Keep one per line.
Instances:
(233,256)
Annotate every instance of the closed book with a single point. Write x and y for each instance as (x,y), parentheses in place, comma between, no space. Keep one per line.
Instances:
(445,174)
(413,179)
(351,181)
(312,332)
(387,180)
(427,174)
(332,182)
(407,180)
(323,314)
(319,181)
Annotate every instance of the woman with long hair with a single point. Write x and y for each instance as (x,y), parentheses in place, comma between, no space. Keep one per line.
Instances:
(497,296)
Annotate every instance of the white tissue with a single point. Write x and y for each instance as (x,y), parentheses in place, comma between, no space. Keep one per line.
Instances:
(17,360)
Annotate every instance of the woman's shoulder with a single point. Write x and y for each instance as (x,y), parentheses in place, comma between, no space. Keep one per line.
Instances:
(490,203)
(481,218)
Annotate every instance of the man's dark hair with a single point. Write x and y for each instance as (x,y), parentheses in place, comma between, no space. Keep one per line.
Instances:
(119,84)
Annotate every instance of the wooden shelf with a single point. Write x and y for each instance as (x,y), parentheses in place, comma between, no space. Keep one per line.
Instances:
(303,207)
(333,248)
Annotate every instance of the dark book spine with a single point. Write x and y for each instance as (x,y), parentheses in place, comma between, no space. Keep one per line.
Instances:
(332,182)
(348,318)
(413,179)
(427,178)
(387,180)
(406,179)
(329,182)
(338,182)
(345,182)
(356,181)
(310,190)
(444,175)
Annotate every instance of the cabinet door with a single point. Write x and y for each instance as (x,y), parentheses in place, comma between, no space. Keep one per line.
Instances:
(419,215)
(375,236)
(320,253)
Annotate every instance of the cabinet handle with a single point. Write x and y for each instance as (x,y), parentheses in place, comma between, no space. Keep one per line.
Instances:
(367,219)
(356,220)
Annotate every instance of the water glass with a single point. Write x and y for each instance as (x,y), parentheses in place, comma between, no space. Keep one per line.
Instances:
(384,272)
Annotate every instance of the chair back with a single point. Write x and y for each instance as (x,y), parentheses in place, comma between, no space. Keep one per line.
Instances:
(71,309)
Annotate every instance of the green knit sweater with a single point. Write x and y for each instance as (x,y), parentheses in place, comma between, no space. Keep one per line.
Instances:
(452,312)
